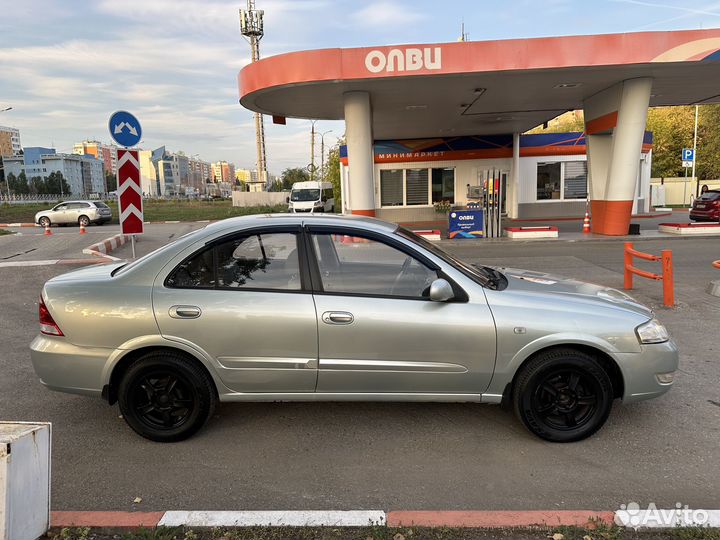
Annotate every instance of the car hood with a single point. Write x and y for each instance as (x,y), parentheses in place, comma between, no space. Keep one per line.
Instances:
(571,289)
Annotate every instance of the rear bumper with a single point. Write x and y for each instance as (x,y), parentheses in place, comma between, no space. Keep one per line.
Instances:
(65,367)
(640,370)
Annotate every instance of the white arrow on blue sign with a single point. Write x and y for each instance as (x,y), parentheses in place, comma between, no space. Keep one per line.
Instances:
(688,154)
(125,129)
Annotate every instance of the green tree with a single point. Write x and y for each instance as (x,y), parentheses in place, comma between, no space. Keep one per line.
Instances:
(672,129)
(110,181)
(292,175)
(19,185)
(567,122)
(332,172)
(55,184)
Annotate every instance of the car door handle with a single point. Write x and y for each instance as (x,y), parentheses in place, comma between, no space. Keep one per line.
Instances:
(185,312)
(337,317)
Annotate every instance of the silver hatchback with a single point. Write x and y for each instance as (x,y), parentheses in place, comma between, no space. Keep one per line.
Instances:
(75,212)
(318,307)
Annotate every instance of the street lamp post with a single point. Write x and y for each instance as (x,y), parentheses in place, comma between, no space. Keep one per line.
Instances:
(322,154)
(7,184)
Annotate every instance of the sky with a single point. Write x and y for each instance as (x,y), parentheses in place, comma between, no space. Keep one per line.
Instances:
(66,65)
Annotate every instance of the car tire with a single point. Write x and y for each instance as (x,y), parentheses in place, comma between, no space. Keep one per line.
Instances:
(84,221)
(563,395)
(44,222)
(165,397)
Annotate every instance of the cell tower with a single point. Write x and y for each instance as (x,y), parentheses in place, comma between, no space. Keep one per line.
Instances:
(251,27)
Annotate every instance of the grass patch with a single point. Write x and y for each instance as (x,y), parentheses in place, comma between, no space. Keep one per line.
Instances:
(155,210)
(599,532)
(3,232)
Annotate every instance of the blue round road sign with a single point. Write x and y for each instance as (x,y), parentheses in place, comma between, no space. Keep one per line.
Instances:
(125,129)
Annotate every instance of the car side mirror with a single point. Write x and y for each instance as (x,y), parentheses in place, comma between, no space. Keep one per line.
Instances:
(287,199)
(441,291)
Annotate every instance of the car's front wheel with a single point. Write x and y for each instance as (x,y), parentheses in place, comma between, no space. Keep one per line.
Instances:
(165,397)
(563,395)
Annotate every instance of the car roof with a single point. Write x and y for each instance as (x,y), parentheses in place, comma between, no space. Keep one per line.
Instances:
(337,220)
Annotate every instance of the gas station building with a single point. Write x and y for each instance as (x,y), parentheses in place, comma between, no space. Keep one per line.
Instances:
(434,122)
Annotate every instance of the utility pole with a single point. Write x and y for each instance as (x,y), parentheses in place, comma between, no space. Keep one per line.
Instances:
(312,151)
(251,27)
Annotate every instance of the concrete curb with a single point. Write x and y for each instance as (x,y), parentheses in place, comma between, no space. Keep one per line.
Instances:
(102,248)
(482,519)
(67,262)
(19,225)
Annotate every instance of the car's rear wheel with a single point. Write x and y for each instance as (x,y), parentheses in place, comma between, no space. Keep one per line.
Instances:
(563,395)
(44,222)
(165,397)
(83,221)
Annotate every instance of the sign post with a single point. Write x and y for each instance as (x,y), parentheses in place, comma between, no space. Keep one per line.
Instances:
(126,131)
(688,161)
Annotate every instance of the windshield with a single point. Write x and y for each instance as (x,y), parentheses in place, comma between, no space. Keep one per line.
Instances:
(480,274)
(710,196)
(305,195)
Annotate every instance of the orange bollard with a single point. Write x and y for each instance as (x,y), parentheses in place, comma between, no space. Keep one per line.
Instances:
(47,232)
(628,264)
(668,278)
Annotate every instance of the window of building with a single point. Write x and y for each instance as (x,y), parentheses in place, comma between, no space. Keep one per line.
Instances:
(416,187)
(416,181)
(391,187)
(562,180)
(443,185)
(575,179)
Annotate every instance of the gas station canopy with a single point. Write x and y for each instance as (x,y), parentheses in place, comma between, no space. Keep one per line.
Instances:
(482,87)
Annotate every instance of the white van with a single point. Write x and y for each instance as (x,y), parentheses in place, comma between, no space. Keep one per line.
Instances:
(311,197)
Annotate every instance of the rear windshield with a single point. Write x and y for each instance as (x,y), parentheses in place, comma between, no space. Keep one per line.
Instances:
(101,205)
(710,196)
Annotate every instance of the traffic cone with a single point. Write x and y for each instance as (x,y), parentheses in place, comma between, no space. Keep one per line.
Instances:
(586,223)
(82,229)
(47,232)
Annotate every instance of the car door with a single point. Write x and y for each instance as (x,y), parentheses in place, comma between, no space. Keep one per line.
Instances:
(378,330)
(245,301)
(59,213)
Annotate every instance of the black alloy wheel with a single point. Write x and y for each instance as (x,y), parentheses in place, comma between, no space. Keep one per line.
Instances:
(563,395)
(166,397)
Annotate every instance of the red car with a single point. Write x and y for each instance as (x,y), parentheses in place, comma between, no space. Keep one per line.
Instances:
(706,207)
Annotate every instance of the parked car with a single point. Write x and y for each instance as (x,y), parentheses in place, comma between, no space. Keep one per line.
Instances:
(81,212)
(319,307)
(706,207)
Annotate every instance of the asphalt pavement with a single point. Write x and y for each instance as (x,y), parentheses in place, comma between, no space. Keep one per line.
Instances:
(387,455)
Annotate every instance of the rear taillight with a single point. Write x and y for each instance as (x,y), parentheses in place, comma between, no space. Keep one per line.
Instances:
(47,324)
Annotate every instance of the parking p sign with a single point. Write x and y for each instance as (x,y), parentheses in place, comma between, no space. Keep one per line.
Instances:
(688,157)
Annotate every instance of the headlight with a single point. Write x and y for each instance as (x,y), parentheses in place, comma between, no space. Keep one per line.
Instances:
(652,332)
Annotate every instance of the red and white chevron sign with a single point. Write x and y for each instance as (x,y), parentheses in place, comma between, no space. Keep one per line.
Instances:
(129,192)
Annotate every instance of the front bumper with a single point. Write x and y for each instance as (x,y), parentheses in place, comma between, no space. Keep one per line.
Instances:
(65,367)
(641,370)
(704,215)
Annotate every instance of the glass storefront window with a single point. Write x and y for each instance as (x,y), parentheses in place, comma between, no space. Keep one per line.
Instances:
(416,181)
(391,187)
(575,177)
(548,181)
(443,185)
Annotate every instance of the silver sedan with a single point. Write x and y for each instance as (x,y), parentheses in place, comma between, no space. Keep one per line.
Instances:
(291,308)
